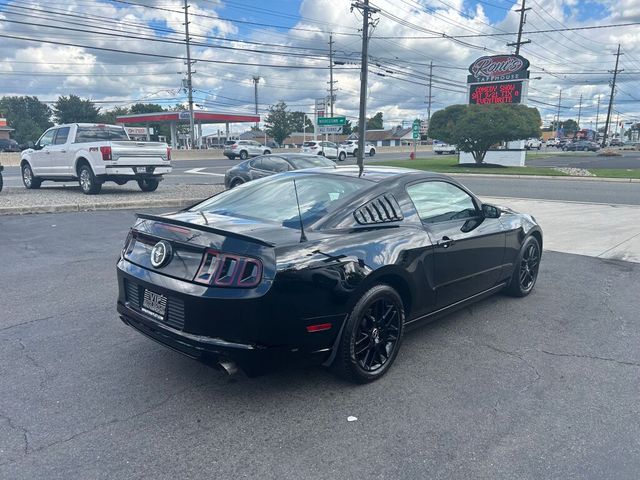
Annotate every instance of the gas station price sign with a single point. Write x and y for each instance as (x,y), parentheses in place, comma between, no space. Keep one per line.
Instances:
(492,93)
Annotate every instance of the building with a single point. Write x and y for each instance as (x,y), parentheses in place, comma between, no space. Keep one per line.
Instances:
(5,129)
(393,137)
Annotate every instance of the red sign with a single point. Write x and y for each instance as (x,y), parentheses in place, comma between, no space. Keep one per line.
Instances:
(491,93)
(498,67)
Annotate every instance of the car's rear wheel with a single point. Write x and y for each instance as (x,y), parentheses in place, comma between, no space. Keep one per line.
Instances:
(372,152)
(526,269)
(267,152)
(342,157)
(321,154)
(28,179)
(438,153)
(355,152)
(237,182)
(371,337)
(148,184)
(244,155)
(87,181)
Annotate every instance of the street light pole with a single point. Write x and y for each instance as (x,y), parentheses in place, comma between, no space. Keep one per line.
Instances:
(189,84)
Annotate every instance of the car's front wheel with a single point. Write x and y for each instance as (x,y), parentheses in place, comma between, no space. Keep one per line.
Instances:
(236,182)
(244,155)
(342,157)
(372,152)
(28,179)
(267,152)
(355,152)
(371,337)
(526,269)
(148,184)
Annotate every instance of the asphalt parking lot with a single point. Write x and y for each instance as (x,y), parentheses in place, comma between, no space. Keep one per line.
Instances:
(542,387)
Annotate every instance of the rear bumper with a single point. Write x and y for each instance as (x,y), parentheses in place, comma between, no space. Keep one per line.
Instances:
(134,170)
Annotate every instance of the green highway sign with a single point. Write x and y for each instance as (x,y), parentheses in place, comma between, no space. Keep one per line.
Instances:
(332,121)
(416,129)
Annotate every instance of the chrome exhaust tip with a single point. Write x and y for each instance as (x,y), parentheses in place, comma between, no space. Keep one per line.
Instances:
(229,366)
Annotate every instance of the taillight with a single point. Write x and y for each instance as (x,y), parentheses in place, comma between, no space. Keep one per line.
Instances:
(234,146)
(168,154)
(106,152)
(227,270)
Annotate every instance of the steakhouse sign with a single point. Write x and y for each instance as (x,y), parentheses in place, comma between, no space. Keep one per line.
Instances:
(498,79)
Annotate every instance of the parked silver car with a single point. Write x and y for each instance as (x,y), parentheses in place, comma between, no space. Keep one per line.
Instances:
(244,149)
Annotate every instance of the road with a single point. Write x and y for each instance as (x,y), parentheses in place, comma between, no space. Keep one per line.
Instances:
(542,387)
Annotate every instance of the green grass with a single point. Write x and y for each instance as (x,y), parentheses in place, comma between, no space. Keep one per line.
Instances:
(450,165)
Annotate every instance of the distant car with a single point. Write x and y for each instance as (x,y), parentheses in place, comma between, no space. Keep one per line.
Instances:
(266,165)
(616,142)
(9,145)
(533,143)
(581,145)
(326,149)
(351,147)
(552,142)
(244,149)
(440,148)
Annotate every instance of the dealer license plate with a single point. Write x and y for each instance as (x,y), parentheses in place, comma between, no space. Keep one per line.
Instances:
(154,304)
(143,169)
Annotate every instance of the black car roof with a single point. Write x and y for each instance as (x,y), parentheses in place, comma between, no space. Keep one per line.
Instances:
(373,173)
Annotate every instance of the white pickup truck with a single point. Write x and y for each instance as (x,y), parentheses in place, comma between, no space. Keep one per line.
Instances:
(93,154)
(440,148)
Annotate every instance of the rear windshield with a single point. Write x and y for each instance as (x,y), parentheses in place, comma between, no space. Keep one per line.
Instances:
(96,133)
(309,144)
(273,199)
(230,142)
(310,161)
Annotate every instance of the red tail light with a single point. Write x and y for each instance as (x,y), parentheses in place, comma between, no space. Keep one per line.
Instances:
(106,152)
(226,270)
(235,145)
(168,153)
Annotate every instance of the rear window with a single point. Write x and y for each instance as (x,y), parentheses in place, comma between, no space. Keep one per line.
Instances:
(273,199)
(309,144)
(230,142)
(96,133)
(310,161)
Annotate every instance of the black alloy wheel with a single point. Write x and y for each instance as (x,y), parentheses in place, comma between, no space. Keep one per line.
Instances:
(525,272)
(371,337)
(244,155)
(28,179)
(148,184)
(87,180)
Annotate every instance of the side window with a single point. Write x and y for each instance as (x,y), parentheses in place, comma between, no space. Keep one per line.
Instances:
(47,138)
(62,136)
(257,163)
(438,201)
(274,164)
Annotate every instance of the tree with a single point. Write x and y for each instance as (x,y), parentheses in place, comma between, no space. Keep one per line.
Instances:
(299,122)
(347,129)
(475,128)
(28,116)
(568,126)
(109,117)
(278,124)
(73,109)
(375,122)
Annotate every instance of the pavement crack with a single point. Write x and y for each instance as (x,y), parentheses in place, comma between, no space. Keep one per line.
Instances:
(28,322)
(532,367)
(14,426)
(592,357)
(35,363)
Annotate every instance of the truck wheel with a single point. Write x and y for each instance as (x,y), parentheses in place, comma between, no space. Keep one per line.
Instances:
(87,180)
(28,179)
(148,184)
(243,155)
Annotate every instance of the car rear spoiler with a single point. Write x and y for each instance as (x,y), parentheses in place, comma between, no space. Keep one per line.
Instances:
(205,228)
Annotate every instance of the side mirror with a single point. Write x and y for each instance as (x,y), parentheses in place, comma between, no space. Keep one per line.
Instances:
(490,211)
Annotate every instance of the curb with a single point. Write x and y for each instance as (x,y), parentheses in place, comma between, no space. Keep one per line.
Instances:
(547,177)
(77,207)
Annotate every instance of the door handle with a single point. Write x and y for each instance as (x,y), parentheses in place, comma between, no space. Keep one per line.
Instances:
(446,242)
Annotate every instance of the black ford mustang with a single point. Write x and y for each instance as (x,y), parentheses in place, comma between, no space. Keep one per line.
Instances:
(320,265)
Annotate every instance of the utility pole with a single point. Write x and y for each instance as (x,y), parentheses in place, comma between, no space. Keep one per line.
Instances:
(613,90)
(331,81)
(256,79)
(579,111)
(558,117)
(523,20)
(189,84)
(366,11)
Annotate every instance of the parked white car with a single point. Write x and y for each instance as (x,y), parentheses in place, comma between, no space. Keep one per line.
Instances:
(93,154)
(552,142)
(533,143)
(326,149)
(244,149)
(351,147)
(440,148)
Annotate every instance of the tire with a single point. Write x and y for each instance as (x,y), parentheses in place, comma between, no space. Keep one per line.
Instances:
(267,152)
(1,182)
(87,181)
(367,333)
(525,272)
(342,157)
(236,182)
(244,155)
(438,153)
(148,184)
(30,182)
(372,152)
(321,154)
(355,152)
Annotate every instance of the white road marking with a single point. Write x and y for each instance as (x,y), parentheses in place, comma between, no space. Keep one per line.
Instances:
(198,171)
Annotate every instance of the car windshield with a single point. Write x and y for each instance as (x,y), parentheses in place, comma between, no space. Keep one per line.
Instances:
(309,161)
(273,199)
(96,133)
